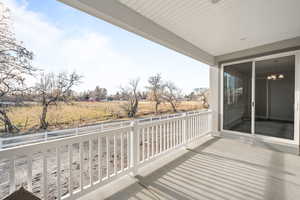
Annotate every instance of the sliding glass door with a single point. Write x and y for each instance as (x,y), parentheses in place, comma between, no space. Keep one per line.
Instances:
(258,97)
(274,97)
(237,89)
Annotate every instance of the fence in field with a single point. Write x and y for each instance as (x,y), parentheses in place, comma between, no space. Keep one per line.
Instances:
(75,165)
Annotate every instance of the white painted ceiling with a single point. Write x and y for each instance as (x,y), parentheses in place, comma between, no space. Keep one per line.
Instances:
(226,26)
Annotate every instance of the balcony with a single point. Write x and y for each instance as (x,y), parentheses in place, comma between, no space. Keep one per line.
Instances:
(235,150)
(70,167)
(172,157)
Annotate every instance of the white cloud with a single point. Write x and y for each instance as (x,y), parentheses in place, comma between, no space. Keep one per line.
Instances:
(88,53)
(91,54)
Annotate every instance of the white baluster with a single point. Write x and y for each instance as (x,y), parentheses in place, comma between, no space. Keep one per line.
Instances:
(168,135)
(29,173)
(91,161)
(152,141)
(143,143)
(108,156)
(160,138)
(70,151)
(45,176)
(165,136)
(12,179)
(133,147)
(148,143)
(156,139)
(58,173)
(81,165)
(185,129)
(100,158)
(129,147)
(115,155)
(122,152)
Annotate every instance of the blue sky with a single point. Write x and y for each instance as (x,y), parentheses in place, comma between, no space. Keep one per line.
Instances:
(65,39)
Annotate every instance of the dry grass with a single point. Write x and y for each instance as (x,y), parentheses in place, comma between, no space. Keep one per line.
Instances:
(81,113)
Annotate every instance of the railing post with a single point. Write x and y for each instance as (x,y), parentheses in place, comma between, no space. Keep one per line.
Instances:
(46,136)
(209,121)
(134,148)
(1,143)
(185,129)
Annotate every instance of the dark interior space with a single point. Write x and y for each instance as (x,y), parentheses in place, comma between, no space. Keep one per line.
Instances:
(274,97)
(237,97)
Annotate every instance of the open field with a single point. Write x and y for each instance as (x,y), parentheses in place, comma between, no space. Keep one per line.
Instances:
(76,114)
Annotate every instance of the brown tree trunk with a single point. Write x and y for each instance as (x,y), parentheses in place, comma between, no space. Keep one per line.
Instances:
(135,108)
(9,127)
(173,106)
(43,122)
(156,107)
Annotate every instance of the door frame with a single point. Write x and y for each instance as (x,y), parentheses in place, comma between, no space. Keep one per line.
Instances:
(296,100)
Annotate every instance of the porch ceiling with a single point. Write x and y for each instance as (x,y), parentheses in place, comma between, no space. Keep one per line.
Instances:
(202,29)
(224,26)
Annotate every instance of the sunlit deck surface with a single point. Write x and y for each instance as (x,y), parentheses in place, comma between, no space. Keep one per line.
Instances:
(217,169)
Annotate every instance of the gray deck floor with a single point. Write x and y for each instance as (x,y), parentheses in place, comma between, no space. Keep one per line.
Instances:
(221,169)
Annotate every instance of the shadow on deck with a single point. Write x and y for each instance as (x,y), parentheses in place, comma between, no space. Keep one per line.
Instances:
(220,169)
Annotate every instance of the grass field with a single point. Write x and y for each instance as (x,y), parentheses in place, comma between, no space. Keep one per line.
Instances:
(75,114)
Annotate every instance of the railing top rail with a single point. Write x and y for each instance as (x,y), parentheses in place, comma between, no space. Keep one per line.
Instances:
(10,142)
(40,146)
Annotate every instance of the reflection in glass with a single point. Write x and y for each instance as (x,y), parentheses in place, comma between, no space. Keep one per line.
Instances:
(237,97)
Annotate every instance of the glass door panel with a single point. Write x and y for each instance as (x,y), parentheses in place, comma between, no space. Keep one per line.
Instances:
(274,97)
(237,89)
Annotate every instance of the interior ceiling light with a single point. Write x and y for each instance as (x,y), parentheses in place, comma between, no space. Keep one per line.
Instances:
(275,77)
(281,76)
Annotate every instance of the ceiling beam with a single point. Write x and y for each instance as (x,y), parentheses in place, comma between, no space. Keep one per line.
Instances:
(120,15)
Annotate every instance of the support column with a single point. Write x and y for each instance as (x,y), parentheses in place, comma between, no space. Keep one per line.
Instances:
(214,98)
(297,102)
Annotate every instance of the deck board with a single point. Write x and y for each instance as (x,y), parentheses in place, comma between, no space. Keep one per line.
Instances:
(219,169)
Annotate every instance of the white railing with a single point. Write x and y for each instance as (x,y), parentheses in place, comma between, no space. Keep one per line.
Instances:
(67,168)
(8,142)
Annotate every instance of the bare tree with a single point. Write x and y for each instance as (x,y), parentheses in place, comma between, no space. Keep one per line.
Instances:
(171,94)
(53,88)
(202,95)
(99,93)
(204,98)
(131,95)
(155,90)
(15,66)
